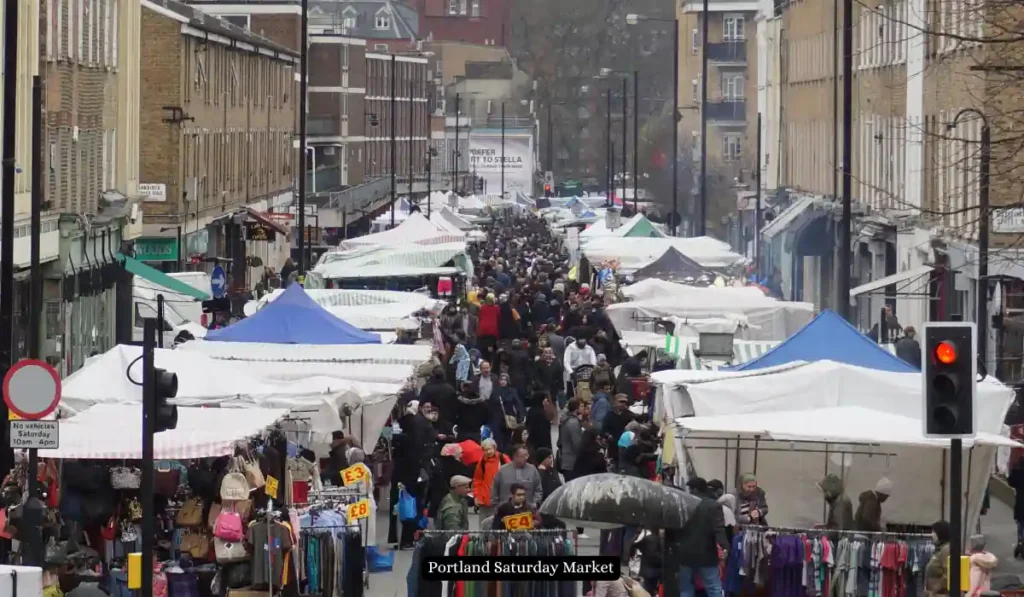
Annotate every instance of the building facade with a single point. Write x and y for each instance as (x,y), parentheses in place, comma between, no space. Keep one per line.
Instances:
(217,111)
(917,64)
(337,122)
(485,22)
(410,109)
(731,99)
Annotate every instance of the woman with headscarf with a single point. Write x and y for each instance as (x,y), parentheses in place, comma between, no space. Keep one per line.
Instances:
(460,358)
(751,502)
(508,319)
(509,413)
(590,460)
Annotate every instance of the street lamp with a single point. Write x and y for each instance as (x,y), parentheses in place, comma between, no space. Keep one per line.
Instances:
(607,73)
(635,19)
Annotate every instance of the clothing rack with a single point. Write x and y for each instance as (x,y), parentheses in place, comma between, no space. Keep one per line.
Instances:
(791,530)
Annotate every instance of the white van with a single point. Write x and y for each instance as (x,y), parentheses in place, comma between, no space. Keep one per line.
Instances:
(181,312)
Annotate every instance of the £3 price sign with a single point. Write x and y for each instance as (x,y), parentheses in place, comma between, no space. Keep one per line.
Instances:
(518,522)
(271,488)
(360,509)
(355,474)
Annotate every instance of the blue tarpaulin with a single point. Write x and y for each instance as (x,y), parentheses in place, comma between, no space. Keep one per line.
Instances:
(829,337)
(293,318)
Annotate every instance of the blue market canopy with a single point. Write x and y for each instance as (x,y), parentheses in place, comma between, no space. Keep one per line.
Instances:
(294,318)
(829,337)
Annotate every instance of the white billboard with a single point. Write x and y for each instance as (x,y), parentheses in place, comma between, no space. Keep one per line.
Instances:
(485,151)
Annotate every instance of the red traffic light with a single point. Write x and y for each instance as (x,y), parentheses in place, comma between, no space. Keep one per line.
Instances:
(547,187)
(945,352)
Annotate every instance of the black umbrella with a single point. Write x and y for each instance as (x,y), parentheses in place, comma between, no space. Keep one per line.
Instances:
(609,500)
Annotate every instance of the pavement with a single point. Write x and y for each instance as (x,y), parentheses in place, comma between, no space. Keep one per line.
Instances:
(998,527)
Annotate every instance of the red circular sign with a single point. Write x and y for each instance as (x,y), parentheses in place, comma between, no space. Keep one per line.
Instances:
(31,389)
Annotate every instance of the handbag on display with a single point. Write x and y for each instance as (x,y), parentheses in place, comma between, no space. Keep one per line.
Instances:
(211,518)
(135,510)
(109,530)
(125,477)
(229,527)
(190,514)
(229,552)
(252,472)
(128,532)
(242,507)
(166,481)
(234,486)
(196,544)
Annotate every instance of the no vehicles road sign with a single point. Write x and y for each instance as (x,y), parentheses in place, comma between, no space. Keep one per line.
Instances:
(31,389)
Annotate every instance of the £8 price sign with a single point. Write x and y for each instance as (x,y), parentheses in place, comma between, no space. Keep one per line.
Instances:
(360,509)
(271,488)
(519,522)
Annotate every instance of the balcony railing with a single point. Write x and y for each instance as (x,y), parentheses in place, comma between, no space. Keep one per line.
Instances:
(733,52)
(727,111)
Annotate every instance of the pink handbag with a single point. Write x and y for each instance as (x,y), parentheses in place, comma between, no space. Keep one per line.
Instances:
(228,527)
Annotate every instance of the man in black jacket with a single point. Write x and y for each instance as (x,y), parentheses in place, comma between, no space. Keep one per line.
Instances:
(697,544)
(441,394)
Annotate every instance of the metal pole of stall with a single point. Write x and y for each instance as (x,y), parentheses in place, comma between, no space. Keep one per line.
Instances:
(843,291)
(160,320)
(455,155)
(303,139)
(610,186)
(412,118)
(394,143)
(636,139)
(757,198)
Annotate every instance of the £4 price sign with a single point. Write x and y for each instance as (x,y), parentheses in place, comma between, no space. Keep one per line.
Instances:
(355,474)
(360,509)
(271,488)
(518,522)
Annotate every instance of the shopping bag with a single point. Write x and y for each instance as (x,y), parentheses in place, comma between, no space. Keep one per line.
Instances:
(377,561)
(406,506)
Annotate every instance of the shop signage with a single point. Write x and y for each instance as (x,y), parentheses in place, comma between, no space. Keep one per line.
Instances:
(518,522)
(486,156)
(37,435)
(1008,220)
(360,509)
(153,191)
(260,232)
(156,249)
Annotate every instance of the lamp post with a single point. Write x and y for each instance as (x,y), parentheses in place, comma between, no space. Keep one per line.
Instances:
(635,19)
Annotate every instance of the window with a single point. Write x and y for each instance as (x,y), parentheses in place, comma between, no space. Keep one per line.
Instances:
(731,147)
(382,20)
(453,7)
(695,90)
(732,86)
(474,8)
(348,18)
(462,7)
(238,20)
(732,28)
(695,41)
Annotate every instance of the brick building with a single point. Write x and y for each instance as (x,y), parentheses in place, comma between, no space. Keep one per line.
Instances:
(218,109)
(280,21)
(915,187)
(485,22)
(732,119)
(411,105)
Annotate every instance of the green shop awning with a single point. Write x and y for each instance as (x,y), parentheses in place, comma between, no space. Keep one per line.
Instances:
(160,279)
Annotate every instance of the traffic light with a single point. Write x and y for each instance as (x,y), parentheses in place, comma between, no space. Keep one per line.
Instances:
(547,190)
(165,387)
(950,370)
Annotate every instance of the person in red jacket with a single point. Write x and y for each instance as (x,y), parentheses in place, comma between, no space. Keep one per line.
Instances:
(487,327)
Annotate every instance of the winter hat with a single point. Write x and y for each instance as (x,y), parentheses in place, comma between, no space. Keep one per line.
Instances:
(976,543)
(459,481)
(884,486)
(542,454)
(747,477)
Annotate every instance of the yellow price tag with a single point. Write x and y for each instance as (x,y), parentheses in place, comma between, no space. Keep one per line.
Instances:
(355,474)
(518,522)
(271,487)
(360,509)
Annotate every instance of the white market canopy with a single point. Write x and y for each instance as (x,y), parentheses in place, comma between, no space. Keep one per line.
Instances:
(634,253)
(382,354)
(637,226)
(451,221)
(654,288)
(816,418)
(394,261)
(365,309)
(200,433)
(414,230)
(842,424)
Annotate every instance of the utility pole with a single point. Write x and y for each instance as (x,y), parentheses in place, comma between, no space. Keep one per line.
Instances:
(10,119)
(703,118)
(455,156)
(303,108)
(394,141)
(675,129)
(843,291)
(610,169)
(551,139)
(757,198)
(503,149)
(412,118)
(625,135)
(636,139)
